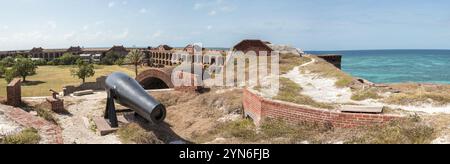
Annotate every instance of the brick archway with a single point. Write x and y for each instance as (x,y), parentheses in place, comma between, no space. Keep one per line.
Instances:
(156,78)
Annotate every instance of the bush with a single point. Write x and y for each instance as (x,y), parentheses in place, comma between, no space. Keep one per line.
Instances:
(8,61)
(3,70)
(27,136)
(67,59)
(111,58)
(47,115)
(40,62)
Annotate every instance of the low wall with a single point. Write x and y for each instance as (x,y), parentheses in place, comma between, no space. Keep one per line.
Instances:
(99,84)
(259,109)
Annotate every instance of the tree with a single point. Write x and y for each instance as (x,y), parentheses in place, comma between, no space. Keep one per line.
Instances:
(3,70)
(111,58)
(24,67)
(8,61)
(10,75)
(135,57)
(68,59)
(84,70)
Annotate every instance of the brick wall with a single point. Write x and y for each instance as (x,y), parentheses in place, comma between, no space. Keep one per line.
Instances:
(259,108)
(14,92)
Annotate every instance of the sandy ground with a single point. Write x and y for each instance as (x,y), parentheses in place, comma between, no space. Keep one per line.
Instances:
(8,126)
(320,89)
(76,125)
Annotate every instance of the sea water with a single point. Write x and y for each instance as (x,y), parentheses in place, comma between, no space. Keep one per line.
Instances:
(395,66)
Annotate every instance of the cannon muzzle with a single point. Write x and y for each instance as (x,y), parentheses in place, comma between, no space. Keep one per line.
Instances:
(129,93)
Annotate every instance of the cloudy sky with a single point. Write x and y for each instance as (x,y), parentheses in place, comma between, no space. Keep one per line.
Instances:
(307,24)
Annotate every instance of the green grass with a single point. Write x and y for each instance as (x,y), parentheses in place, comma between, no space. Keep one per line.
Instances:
(56,77)
(27,136)
(133,133)
(291,92)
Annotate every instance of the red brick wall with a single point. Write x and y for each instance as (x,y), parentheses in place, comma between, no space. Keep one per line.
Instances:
(260,108)
(14,93)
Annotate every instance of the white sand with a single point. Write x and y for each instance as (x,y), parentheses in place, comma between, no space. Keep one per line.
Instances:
(320,89)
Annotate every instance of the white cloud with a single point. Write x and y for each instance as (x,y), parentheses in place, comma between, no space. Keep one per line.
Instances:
(111,4)
(143,11)
(209,27)
(212,12)
(124,2)
(4,27)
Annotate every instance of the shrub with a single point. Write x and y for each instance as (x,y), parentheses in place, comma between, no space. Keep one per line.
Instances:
(67,59)
(40,62)
(47,115)
(27,136)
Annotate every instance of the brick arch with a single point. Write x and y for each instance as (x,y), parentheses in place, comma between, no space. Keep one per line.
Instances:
(156,78)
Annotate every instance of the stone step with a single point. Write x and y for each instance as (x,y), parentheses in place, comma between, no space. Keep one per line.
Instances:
(362,109)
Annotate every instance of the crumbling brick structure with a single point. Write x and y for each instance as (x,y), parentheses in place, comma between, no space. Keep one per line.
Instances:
(14,93)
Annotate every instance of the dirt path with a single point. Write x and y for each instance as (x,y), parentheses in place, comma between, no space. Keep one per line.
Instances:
(76,126)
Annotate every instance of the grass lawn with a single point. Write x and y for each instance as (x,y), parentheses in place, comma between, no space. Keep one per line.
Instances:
(55,77)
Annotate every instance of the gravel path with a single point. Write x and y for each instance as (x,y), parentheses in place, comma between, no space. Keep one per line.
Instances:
(76,126)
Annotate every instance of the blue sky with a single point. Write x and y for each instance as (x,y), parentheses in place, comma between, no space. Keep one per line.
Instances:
(306,24)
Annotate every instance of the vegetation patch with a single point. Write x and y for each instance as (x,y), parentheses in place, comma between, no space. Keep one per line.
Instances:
(134,133)
(365,94)
(291,92)
(27,136)
(410,131)
(326,69)
(47,115)
(407,131)
(289,61)
(242,129)
(417,98)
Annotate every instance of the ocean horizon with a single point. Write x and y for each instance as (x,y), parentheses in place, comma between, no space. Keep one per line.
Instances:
(396,65)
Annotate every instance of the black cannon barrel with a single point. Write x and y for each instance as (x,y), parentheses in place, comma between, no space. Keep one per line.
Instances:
(129,93)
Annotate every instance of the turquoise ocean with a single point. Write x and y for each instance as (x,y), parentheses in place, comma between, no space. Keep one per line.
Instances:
(395,66)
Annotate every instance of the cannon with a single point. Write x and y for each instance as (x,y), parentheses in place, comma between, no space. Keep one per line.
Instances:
(129,93)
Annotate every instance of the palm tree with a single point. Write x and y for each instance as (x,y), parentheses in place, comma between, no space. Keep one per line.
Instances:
(135,57)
